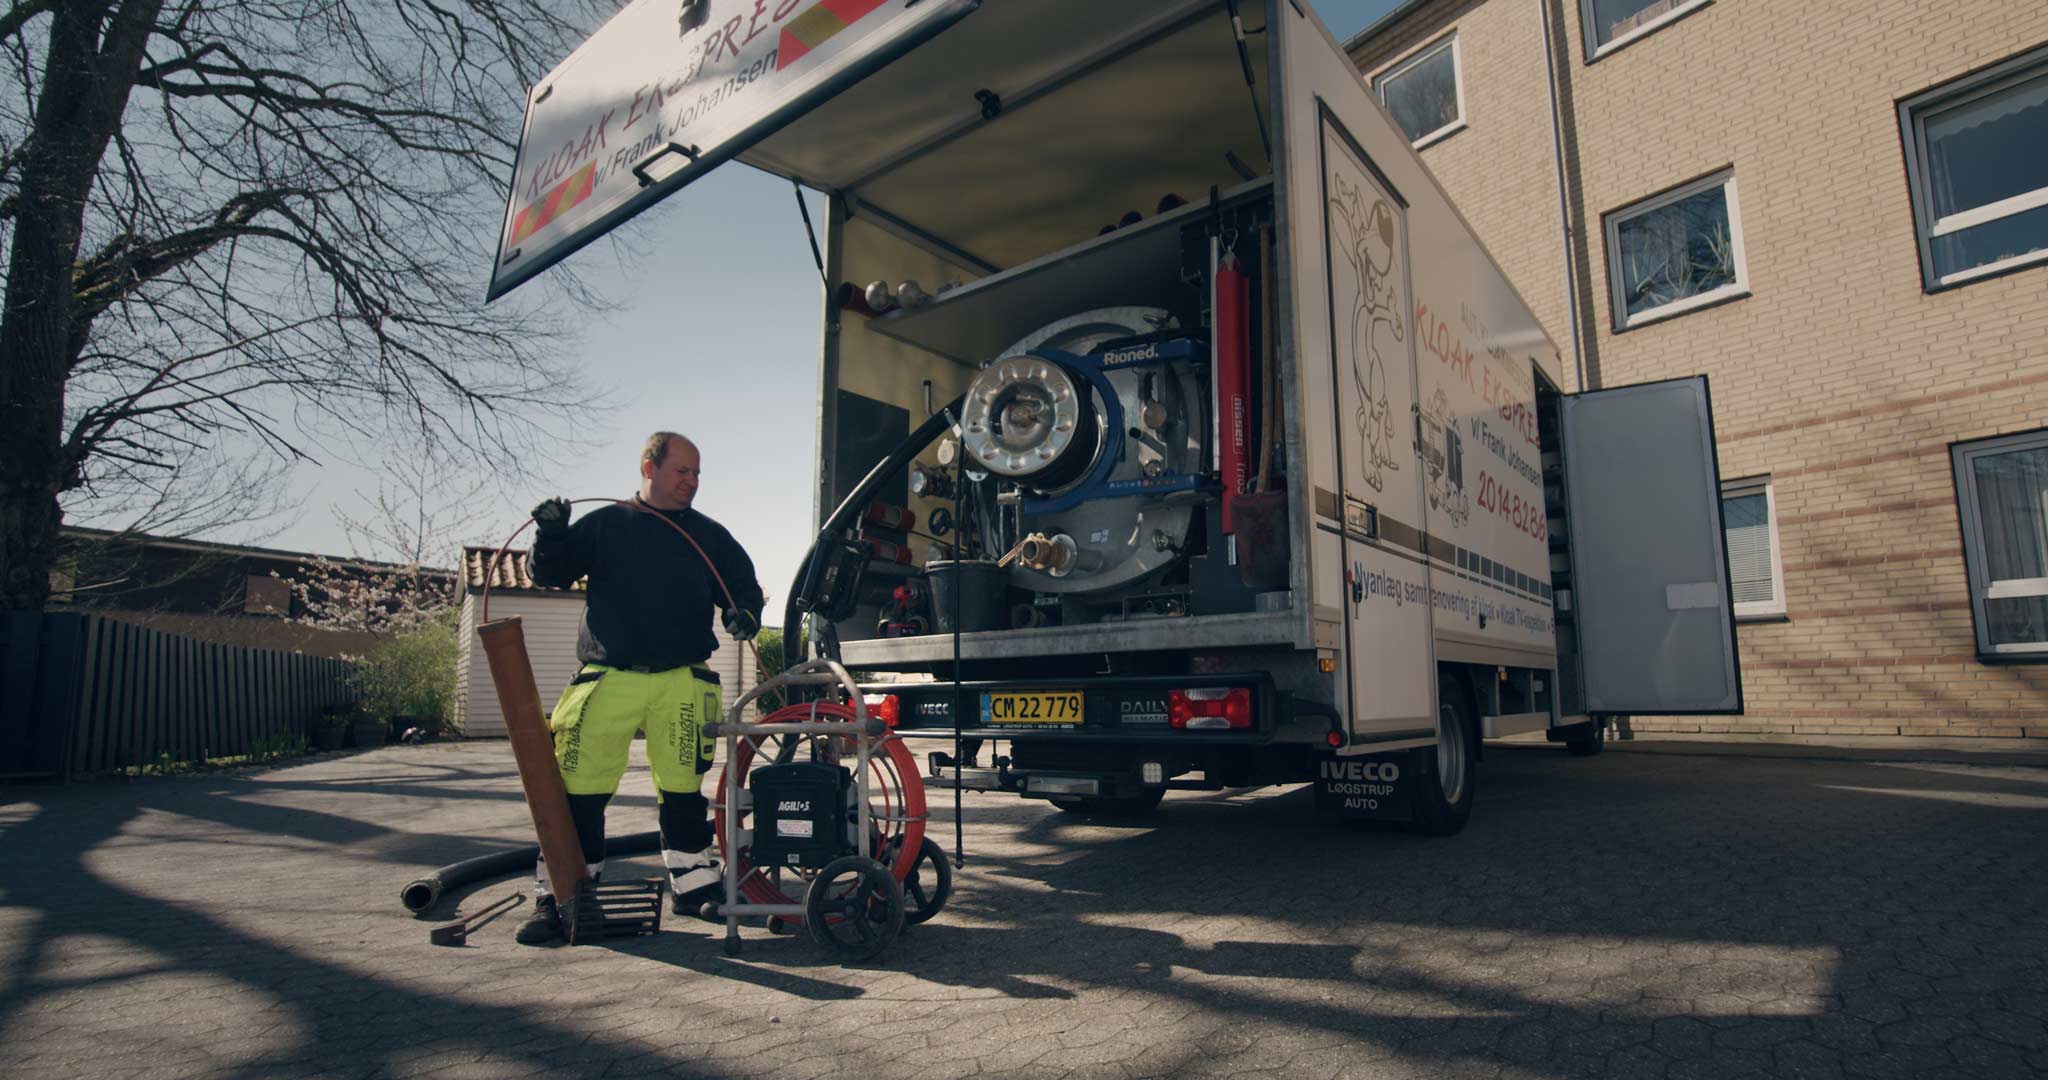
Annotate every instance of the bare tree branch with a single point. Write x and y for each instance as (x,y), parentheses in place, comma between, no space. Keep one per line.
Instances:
(252,227)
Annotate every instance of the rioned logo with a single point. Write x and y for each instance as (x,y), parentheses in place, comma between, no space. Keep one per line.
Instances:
(1132,355)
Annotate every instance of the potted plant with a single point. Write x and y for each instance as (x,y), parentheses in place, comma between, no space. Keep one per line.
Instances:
(330,728)
(368,731)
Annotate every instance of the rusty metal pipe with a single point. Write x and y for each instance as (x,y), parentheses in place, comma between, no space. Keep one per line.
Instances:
(533,749)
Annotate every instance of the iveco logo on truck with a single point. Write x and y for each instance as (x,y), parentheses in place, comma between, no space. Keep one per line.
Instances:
(1384,772)
(1366,787)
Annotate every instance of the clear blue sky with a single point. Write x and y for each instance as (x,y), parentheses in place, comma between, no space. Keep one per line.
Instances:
(714,332)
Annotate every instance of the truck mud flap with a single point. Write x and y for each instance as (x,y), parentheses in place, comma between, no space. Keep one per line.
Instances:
(1366,788)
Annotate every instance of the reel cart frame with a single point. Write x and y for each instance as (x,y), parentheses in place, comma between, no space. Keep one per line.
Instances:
(844,922)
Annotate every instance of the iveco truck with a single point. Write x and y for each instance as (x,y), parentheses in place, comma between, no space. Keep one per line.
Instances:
(1174,429)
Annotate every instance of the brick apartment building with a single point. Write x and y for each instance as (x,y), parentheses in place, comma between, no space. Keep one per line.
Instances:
(1839,213)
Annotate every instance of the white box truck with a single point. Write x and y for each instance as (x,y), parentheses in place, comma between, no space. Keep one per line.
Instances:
(1208,448)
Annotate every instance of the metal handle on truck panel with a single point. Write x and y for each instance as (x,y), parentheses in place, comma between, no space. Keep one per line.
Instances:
(640,167)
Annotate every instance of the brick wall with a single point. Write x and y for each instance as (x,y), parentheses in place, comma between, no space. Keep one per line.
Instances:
(1838,376)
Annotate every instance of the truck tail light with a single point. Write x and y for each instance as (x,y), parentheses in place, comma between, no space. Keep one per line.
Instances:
(1210,709)
(887,706)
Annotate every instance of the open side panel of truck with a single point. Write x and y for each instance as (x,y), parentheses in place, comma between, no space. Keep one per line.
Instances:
(1649,599)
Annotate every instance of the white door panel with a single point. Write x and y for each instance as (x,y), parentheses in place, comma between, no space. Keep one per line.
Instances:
(1643,502)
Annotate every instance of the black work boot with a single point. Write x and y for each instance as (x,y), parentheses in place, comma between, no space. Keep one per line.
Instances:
(691,889)
(544,926)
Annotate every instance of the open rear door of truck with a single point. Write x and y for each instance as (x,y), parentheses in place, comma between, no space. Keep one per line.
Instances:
(666,90)
(1651,599)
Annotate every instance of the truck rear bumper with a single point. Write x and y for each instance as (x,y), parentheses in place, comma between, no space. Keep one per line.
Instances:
(1031,784)
(1056,783)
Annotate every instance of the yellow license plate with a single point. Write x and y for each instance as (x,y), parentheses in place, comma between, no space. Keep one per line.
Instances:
(1038,707)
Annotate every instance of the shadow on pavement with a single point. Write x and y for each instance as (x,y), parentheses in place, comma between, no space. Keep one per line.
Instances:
(1621,915)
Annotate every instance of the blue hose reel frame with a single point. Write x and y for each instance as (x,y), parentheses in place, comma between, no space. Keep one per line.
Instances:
(1095,368)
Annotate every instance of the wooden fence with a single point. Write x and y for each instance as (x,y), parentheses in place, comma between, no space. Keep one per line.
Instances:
(85,693)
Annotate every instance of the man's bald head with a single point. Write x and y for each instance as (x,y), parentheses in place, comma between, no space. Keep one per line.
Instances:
(670,467)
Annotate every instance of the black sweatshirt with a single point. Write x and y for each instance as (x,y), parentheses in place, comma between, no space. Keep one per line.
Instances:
(650,599)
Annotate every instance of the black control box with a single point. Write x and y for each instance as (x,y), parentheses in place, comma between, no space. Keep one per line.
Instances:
(800,814)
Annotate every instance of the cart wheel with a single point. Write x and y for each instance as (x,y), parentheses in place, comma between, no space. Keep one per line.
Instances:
(929,884)
(854,907)
(732,945)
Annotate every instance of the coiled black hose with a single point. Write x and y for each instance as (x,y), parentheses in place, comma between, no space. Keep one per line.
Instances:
(421,894)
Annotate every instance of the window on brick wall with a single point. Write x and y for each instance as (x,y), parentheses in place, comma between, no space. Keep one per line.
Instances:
(1977,158)
(1675,252)
(1426,92)
(1610,24)
(1749,520)
(2002,497)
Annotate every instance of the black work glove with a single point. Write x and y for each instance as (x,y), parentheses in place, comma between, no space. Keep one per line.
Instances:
(741,624)
(552,517)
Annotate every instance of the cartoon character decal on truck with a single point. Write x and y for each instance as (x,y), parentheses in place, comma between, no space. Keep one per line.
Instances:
(1364,235)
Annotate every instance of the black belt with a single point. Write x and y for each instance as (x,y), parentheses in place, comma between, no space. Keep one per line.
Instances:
(698,670)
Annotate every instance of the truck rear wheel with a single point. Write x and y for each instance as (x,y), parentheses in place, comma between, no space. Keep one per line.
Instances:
(1113,805)
(1447,772)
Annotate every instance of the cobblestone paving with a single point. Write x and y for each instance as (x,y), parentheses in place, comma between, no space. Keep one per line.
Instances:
(1624,916)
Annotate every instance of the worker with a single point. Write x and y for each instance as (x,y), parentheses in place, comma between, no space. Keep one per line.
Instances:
(645,635)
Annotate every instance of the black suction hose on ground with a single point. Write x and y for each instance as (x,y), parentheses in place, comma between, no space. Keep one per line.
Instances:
(848,511)
(422,893)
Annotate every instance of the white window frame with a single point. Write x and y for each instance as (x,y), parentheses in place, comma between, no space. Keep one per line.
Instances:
(1972,515)
(1618,302)
(1773,608)
(1428,50)
(1596,50)
(1913,113)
